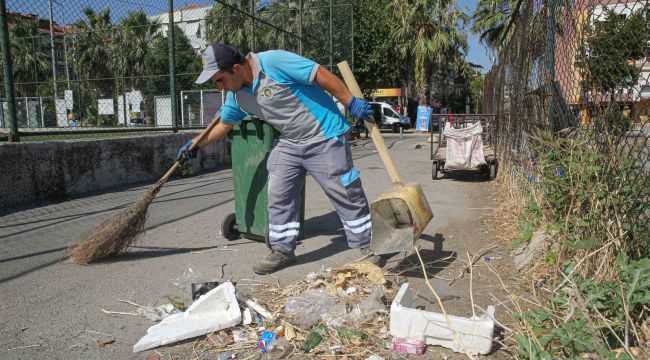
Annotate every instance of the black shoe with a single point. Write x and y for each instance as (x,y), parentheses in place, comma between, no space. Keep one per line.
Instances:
(367,255)
(274,261)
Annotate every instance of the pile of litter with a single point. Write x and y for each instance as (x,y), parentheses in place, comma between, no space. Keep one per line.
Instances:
(340,311)
(346,312)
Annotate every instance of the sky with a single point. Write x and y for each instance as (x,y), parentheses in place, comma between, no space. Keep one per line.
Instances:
(477,53)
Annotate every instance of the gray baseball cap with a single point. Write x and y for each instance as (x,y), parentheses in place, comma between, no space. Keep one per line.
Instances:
(215,58)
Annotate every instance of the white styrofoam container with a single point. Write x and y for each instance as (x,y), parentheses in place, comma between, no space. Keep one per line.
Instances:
(216,310)
(407,322)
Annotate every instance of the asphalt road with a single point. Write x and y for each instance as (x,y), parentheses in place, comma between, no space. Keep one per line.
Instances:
(51,309)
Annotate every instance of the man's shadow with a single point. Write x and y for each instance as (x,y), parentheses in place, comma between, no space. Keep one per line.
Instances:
(435,260)
(329,225)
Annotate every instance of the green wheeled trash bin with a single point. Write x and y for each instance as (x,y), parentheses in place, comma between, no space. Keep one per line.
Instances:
(252,142)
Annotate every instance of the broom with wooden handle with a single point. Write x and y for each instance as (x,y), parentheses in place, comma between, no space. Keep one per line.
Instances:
(117,234)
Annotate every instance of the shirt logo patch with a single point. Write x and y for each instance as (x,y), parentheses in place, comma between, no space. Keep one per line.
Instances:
(266,92)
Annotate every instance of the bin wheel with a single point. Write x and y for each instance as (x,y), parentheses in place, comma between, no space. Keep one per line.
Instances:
(493,170)
(434,171)
(229,227)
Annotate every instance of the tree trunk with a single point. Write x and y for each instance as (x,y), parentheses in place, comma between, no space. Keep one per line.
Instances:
(420,78)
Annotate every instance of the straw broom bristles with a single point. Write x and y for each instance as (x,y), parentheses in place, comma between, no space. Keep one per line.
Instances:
(117,234)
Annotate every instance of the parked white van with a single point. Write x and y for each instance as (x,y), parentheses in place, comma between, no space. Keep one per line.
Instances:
(390,118)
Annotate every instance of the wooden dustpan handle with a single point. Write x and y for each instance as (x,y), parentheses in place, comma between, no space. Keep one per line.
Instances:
(348,77)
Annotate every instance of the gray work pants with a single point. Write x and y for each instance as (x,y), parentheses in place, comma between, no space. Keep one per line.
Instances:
(329,162)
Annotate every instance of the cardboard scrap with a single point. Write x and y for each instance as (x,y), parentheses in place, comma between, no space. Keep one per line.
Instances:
(373,272)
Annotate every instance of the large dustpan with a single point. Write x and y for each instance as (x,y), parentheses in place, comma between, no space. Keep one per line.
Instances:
(400,214)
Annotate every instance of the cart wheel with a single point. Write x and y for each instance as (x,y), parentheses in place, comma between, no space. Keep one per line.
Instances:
(229,227)
(493,170)
(434,171)
(267,241)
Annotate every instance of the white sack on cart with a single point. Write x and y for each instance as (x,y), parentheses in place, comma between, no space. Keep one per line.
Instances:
(464,147)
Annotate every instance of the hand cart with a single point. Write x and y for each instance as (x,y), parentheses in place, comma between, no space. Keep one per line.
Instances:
(462,121)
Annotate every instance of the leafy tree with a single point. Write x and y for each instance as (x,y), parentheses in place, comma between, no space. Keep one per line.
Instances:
(376,62)
(156,67)
(90,54)
(494,21)
(29,61)
(476,93)
(429,32)
(131,44)
(91,51)
(228,26)
(612,45)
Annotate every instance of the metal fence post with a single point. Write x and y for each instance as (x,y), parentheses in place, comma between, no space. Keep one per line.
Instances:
(124,102)
(201,110)
(352,25)
(7,73)
(252,12)
(183,108)
(300,27)
(172,65)
(331,35)
(53,53)
(550,40)
(40,107)
(550,65)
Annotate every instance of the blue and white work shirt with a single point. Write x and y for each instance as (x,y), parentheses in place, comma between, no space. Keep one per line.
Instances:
(285,96)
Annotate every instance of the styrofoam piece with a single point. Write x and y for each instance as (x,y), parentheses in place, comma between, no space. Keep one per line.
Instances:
(407,322)
(216,310)
(246,316)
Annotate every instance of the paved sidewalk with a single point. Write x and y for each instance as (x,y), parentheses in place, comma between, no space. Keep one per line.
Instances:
(55,305)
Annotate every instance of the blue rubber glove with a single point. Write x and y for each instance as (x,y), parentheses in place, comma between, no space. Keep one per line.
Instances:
(184,152)
(361,109)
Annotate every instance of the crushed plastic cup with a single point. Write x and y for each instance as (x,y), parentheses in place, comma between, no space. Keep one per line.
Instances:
(415,347)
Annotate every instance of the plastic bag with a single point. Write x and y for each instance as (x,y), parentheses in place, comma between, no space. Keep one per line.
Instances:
(157,313)
(368,308)
(186,279)
(464,147)
(314,305)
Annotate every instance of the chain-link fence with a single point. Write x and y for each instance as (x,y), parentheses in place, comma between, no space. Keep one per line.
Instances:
(572,90)
(84,65)
(572,94)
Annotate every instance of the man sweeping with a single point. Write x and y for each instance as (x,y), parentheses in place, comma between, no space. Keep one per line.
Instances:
(288,92)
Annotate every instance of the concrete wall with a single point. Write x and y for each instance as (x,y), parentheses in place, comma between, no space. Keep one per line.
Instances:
(58,169)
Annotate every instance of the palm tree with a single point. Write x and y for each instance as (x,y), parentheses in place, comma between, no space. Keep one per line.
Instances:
(429,33)
(228,26)
(131,44)
(29,61)
(91,50)
(495,20)
(491,20)
(284,16)
(91,56)
(234,28)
